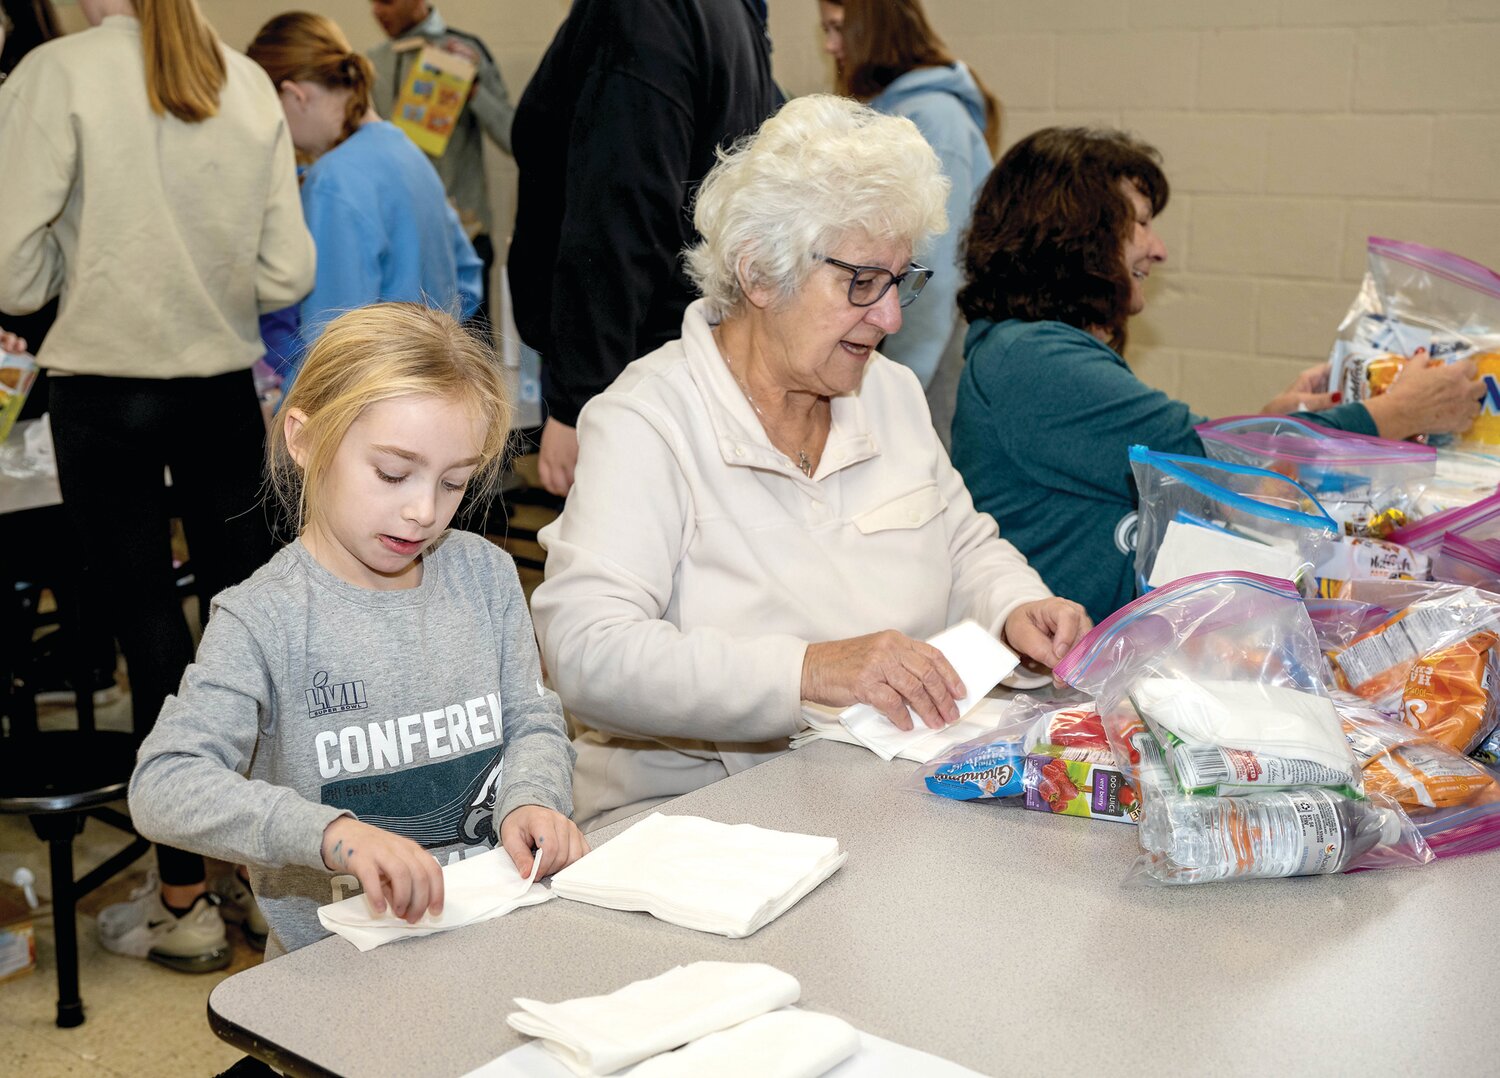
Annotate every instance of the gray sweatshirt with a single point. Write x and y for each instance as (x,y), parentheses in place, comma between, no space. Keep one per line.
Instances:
(420,711)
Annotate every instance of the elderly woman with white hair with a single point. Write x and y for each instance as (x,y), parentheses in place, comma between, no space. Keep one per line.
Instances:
(762,512)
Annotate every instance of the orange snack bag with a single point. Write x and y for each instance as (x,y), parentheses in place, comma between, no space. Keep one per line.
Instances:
(1376,664)
(1449,694)
(1412,768)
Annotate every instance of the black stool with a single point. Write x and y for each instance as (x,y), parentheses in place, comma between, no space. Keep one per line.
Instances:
(59,778)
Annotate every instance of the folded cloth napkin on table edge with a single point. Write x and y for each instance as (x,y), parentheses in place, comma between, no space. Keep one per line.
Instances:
(692,855)
(476,889)
(874,1058)
(602,1034)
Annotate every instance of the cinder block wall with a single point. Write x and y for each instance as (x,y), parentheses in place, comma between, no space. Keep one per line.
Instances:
(1291,129)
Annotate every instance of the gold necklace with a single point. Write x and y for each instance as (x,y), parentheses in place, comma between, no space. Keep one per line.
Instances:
(802,460)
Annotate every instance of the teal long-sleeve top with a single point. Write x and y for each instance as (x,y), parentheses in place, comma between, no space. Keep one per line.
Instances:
(1045,419)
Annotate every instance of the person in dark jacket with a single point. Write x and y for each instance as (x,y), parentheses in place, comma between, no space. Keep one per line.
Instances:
(612,136)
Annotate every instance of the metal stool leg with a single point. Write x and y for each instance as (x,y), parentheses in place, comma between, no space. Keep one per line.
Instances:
(59,831)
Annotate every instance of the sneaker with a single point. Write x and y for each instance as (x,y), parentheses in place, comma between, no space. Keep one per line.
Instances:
(143,927)
(237,906)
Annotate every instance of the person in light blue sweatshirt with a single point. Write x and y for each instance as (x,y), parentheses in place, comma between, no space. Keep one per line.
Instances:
(373,201)
(888,56)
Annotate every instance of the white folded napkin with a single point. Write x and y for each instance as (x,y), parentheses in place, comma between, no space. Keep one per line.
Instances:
(874,1057)
(1247,715)
(475,889)
(823,725)
(788,1043)
(1189,549)
(728,879)
(979,660)
(602,1034)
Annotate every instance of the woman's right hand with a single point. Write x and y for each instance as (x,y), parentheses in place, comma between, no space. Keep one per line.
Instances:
(1429,398)
(887,670)
(393,870)
(11,343)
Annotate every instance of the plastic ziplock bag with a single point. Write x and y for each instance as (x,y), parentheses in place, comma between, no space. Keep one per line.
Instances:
(1198,515)
(1479,520)
(1475,562)
(1057,761)
(1420,304)
(1370,486)
(1253,629)
(1435,662)
(1463,478)
(1453,800)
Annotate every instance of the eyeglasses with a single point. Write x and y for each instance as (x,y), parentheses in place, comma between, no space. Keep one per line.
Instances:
(868,284)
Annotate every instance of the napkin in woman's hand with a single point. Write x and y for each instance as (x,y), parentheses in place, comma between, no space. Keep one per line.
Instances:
(602,1034)
(475,889)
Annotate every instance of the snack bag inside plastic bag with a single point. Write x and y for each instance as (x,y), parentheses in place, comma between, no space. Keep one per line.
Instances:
(1370,486)
(1421,304)
(1160,671)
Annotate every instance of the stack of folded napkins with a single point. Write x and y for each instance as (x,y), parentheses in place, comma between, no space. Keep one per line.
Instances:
(705,1006)
(823,725)
(476,889)
(723,1019)
(980,662)
(714,877)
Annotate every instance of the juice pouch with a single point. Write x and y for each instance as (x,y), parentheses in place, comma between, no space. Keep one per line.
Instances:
(1450,693)
(1083,788)
(1075,733)
(1412,768)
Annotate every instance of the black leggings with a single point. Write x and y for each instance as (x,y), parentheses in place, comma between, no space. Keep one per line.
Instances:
(114,437)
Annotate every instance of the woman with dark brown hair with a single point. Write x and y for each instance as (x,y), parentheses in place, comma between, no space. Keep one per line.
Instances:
(373,201)
(888,56)
(1056,262)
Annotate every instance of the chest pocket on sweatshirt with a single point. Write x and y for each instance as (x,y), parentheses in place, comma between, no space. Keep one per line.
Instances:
(911,510)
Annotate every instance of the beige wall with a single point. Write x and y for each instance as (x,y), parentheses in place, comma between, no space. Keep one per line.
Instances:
(1292,129)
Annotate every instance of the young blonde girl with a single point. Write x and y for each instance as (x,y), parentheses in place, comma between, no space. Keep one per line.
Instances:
(369,704)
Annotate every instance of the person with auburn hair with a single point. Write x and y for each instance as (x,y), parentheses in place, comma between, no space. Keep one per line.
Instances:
(762,513)
(887,55)
(148,179)
(1056,263)
(375,205)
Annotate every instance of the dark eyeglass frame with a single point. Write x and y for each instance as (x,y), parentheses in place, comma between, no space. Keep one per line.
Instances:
(920,274)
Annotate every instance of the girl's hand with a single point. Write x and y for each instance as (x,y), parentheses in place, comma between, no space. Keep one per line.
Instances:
(1046,629)
(394,871)
(887,670)
(555,838)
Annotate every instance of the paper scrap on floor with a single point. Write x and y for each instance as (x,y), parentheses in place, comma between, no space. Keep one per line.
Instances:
(1189,549)
(872,1056)
(476,889)
(731,880)
(980,662)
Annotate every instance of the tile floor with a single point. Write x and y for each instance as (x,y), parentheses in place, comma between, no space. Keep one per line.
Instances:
(141,1018)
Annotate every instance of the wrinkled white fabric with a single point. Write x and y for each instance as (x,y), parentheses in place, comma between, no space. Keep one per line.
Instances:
(602,1034)
(728,879)
(980,662)
(1247,715)
(823,725)
(475,889)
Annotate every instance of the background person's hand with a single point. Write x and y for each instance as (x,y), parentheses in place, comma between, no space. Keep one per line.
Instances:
(555,838)
(557,457)
(10,342)
(1309,393)
(1046,629)
(1429,398)
(887,670)
(394,871)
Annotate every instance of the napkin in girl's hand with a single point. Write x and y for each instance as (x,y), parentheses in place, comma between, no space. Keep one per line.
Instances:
(475,889)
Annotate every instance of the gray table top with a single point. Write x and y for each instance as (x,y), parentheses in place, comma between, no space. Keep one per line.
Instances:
(999,938)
